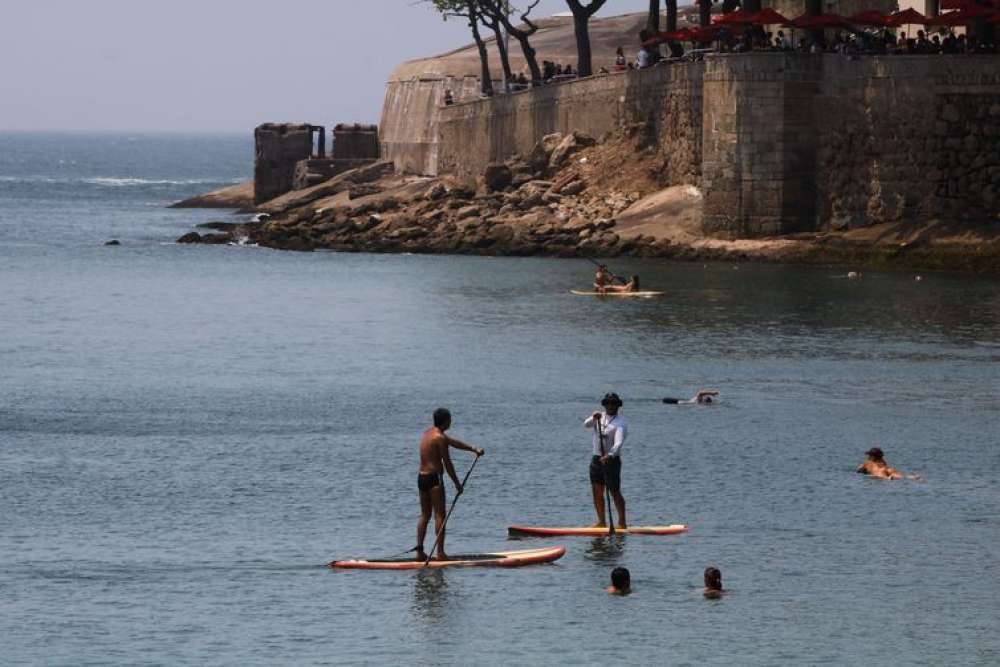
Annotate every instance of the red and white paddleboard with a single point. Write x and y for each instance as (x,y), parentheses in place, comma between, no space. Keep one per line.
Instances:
(498,559)
(536,531)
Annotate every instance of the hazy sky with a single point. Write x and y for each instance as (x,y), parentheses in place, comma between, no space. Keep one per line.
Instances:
(211,65)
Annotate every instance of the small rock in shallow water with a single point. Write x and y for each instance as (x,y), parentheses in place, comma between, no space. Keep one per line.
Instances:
(190,237)
(220,226)
(117,242)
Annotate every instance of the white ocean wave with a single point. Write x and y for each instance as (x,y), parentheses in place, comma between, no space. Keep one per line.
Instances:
(118,181)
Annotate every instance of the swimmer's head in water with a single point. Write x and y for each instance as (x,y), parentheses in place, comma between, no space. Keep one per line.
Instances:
(875,454)
(706,399)
(713,579)
(621,579)
(611,399)
(442,418)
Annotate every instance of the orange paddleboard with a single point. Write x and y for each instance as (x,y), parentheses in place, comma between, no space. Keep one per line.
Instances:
(498,559)
(534,531)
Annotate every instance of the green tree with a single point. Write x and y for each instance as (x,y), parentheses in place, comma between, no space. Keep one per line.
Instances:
(671,15)
(653,18)
(581,27)
(501,45)
(470,11)
(502,10)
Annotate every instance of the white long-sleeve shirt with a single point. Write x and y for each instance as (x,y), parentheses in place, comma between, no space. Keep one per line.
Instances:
(614,428)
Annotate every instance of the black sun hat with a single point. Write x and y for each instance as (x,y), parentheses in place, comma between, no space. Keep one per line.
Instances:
(611,398)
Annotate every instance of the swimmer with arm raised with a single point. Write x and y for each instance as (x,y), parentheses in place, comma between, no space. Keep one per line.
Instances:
(703,397)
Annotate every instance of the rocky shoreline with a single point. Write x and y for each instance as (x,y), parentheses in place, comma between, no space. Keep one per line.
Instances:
(571,196)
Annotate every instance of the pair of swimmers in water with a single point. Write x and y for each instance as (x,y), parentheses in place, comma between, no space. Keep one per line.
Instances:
(621,582)
(604,279)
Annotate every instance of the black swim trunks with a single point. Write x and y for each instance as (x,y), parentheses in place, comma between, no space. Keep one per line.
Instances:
(609,474)
(428,481)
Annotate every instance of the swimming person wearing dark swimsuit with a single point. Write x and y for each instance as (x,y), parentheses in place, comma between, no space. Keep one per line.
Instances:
(703,397)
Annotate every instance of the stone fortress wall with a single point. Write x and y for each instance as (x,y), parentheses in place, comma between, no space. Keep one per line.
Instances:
(778,142)
(286,159)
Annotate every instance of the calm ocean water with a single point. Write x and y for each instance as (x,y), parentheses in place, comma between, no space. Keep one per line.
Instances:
(187,434)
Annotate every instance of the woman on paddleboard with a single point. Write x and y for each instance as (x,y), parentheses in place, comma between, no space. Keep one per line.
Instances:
(609,431)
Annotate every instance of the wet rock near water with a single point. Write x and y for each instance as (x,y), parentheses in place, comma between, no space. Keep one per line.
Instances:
(195,237)
(524,206)
(550,202)
(220,226)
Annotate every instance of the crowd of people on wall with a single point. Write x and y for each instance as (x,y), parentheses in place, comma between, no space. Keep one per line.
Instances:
(851,43)
(866,33)
(552,72)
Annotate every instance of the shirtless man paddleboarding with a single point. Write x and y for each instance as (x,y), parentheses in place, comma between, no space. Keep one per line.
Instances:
(434,460)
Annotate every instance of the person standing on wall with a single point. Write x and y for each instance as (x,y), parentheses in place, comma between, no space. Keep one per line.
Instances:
(609,431)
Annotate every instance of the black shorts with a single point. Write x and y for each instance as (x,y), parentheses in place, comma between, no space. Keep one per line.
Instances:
(609,474)
(428,481)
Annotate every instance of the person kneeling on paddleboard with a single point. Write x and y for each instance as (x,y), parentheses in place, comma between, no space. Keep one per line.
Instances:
(602,278)
(631,286)
(605,464)
(435,459)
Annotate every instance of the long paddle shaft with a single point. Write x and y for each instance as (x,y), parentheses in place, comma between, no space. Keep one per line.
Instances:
(598,265)
(607,489)
(440,531)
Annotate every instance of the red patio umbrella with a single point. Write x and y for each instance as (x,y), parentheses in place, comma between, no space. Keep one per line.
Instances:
(681,35)
(872,18)
(966,16)
(739,17)
(767,16)
(906,17)
(820,21)
(703,33)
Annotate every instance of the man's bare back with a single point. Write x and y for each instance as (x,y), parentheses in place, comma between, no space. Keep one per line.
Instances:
(435,460)
(433,450)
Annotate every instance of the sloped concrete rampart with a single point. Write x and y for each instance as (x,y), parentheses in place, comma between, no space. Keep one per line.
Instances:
(409,127)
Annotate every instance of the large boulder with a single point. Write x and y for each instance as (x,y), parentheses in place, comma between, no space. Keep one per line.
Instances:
(435,192)
(572,188)
(542,151)
(568,145)
(497,176)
